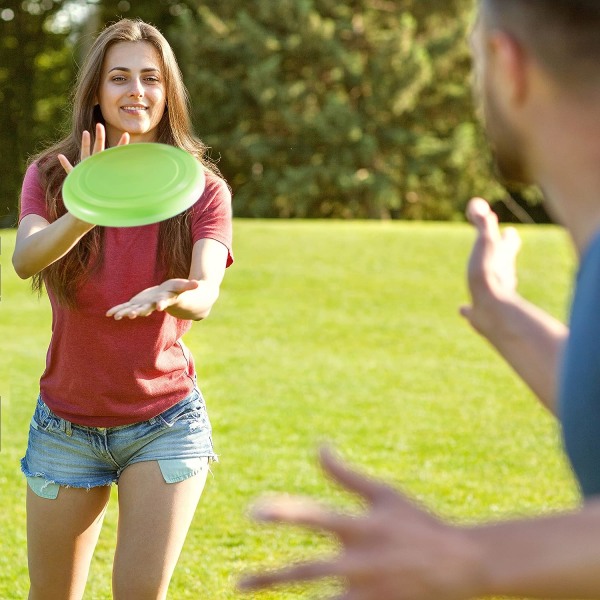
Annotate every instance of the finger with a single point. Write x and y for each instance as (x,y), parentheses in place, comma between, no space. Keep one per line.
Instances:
(177,286)
(100,141)
(477,208)
(368,488)
(301,572)
(300,511)
(164,304)
(85,145)
(136,311)
(511,240)
(116,309)
(124,140)
(466,311)
(123,310)
(64,161)
(483,218)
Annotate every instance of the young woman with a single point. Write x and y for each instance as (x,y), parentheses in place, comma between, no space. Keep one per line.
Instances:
(118,398)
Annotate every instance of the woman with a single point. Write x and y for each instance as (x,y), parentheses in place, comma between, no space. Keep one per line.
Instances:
(118,398)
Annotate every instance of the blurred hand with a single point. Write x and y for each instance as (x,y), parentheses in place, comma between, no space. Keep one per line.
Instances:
(492,271)
(393,551)
(157,298)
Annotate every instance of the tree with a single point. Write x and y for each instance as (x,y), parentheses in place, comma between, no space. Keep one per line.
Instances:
(313,108)
(37,70)
(356,109)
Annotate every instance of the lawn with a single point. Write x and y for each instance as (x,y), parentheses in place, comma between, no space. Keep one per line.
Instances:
(340,331)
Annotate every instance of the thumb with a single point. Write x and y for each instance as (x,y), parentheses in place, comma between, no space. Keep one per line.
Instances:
(477,209)
(64,161)
(483,218)
(183,285)
(466,311)
(176,287)
(124,140)
(512,240)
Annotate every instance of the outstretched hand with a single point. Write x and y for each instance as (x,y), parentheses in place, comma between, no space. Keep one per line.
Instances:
(492,271)
(395,550)
(86,146)
(157,298)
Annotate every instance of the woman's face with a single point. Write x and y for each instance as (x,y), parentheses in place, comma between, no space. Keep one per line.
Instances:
(132,93)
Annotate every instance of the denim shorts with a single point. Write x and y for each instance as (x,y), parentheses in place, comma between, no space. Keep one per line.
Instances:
(61,453)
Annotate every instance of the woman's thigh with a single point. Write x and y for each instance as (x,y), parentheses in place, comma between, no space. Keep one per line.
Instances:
(154,518)
(61,537)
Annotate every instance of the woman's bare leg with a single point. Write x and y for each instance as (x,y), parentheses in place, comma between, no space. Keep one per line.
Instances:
(154,518)
(61,537)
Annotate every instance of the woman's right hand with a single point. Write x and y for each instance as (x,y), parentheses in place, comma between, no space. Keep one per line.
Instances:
(86,146)
(40,243)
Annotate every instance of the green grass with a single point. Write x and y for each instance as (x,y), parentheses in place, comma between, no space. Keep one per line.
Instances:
(339,331)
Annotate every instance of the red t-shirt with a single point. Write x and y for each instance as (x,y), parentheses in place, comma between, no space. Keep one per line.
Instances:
(101,372)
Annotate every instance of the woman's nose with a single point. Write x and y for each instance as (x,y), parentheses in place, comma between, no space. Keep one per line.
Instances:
(137,89)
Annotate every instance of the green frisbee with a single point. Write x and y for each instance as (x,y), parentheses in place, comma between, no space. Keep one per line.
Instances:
(135,184)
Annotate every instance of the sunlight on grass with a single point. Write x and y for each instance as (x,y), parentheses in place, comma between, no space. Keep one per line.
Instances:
(346,332)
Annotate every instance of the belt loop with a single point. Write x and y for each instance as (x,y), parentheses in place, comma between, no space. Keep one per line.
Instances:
(68,429)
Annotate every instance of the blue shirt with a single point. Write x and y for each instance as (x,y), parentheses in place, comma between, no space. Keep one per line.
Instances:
(579,389)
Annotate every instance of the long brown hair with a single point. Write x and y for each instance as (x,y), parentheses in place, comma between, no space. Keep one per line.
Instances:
(66,275)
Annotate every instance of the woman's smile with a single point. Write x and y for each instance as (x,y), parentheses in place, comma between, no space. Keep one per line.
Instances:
(132,93)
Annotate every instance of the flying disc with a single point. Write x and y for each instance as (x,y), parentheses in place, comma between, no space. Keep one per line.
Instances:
(134,184)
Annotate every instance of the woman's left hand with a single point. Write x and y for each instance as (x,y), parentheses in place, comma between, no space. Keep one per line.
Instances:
(157,298)
(86,146)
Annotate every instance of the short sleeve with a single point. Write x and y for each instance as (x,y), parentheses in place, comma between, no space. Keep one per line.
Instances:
(33,198)
(212,214)
(579,396)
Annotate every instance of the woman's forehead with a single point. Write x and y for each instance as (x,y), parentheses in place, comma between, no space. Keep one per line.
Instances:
(132,55)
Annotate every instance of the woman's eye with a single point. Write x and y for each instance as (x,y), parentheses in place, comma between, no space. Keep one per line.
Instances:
(118,78)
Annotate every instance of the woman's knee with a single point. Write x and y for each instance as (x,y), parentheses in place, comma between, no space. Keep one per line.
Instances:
(141,585)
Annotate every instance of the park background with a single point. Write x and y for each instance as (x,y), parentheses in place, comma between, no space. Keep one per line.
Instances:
(312,108)
(348,133)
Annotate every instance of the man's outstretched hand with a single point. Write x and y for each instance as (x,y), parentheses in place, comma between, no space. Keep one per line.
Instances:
(395,550)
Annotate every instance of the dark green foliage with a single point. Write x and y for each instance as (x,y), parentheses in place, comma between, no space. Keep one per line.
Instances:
(321,108)
(36,72)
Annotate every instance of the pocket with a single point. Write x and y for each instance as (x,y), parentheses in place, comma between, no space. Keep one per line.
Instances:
(191,408)
(44,419)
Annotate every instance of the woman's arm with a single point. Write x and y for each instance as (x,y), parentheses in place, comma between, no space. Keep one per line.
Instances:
(209,258)
(40,243)
(190,298)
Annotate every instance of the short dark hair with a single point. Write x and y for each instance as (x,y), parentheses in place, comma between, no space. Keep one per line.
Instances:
(564,35)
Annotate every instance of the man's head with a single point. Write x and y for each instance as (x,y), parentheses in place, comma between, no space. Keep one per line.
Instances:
(523,47)
(563,35)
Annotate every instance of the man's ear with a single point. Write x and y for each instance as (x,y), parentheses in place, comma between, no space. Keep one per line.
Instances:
(509,62)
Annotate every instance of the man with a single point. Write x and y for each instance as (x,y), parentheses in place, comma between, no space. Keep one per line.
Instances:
(537,68)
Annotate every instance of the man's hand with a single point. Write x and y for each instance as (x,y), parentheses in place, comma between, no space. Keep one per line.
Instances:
(395,550)
(492,272)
